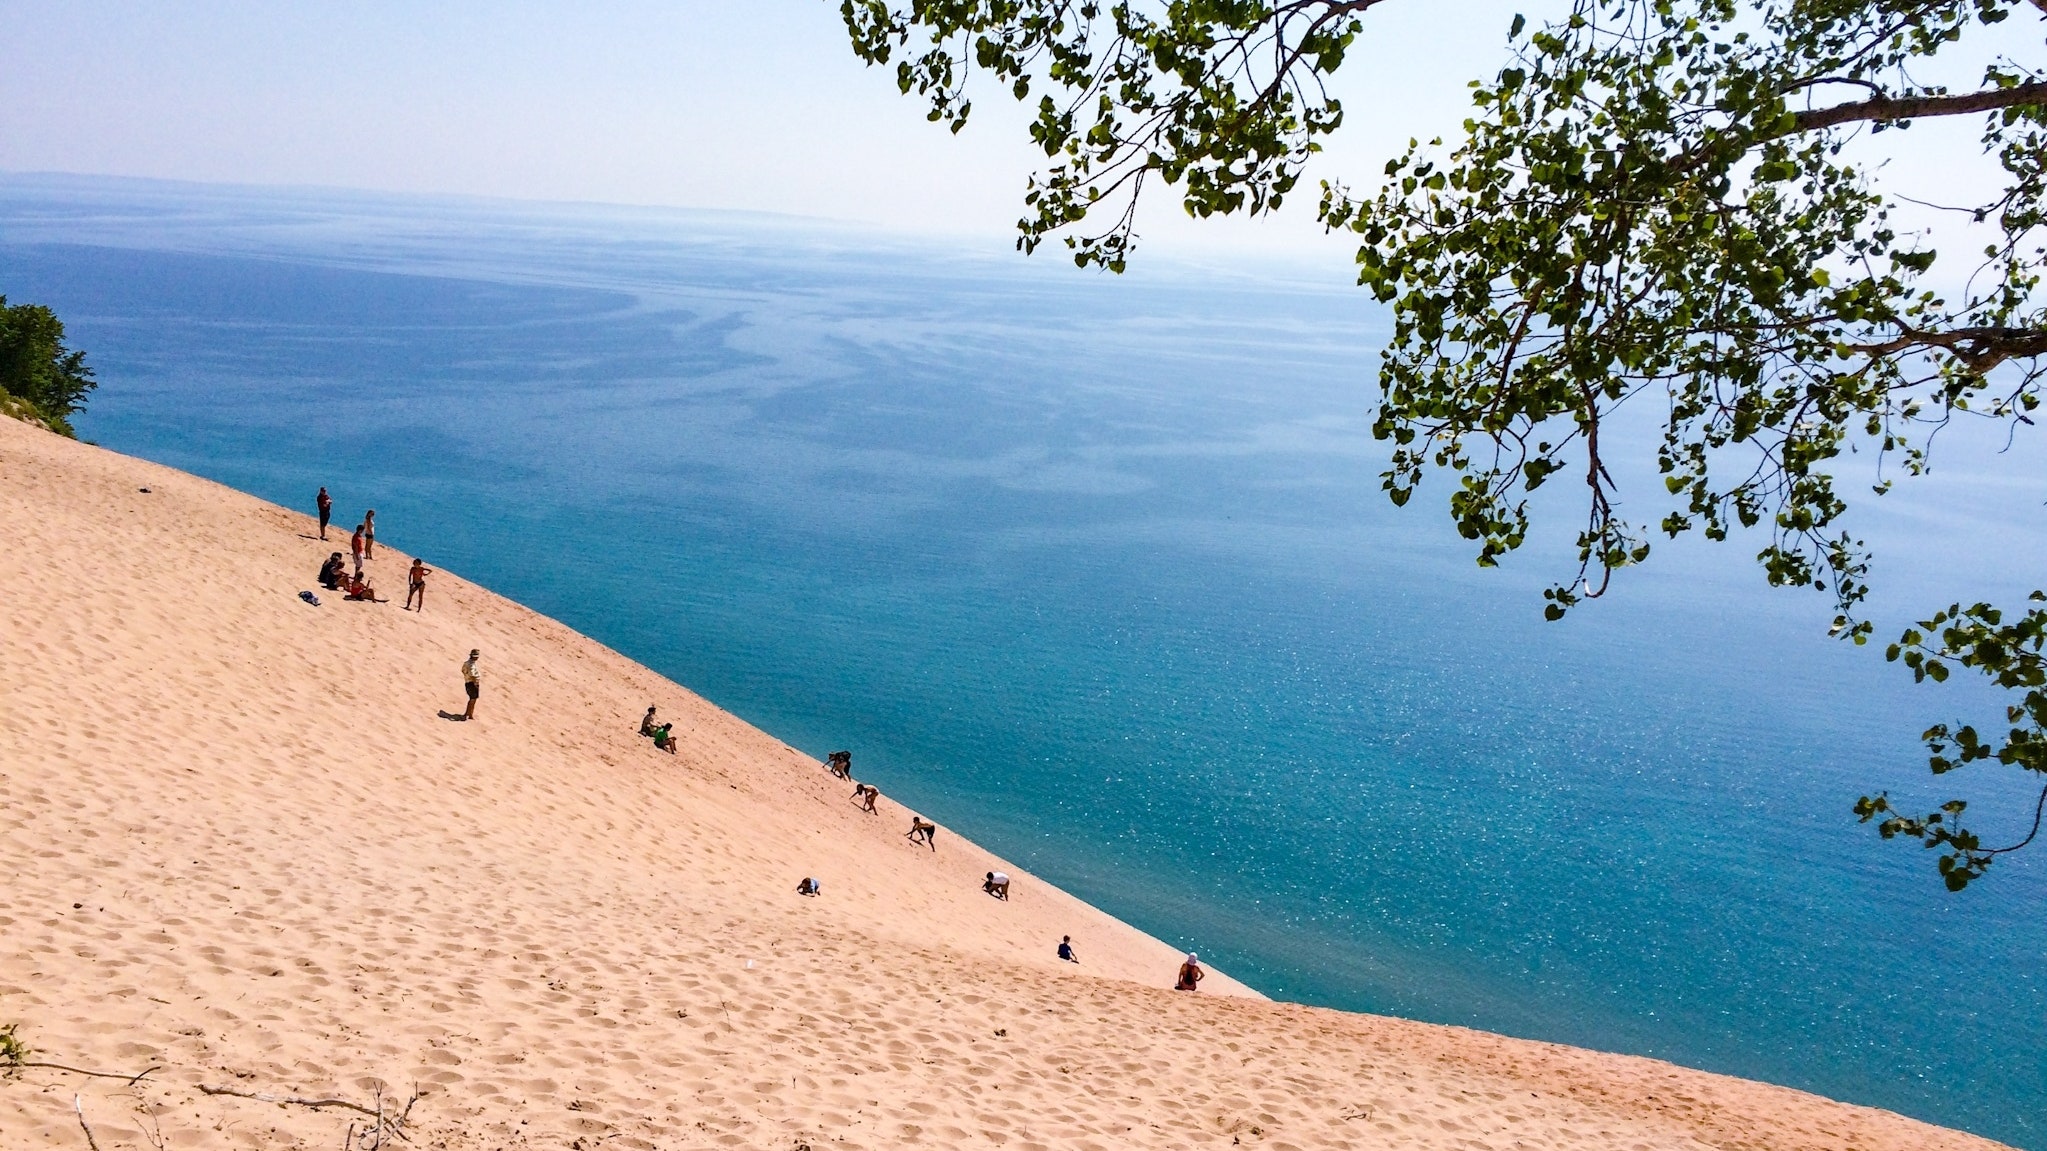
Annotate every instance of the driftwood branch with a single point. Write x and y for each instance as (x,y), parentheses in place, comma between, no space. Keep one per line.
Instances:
(131,1080)
(78,1105)
(395,1123)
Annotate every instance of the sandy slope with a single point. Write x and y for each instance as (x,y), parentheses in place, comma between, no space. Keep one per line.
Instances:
(237,841)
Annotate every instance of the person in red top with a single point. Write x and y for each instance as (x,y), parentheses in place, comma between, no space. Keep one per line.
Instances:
(326,505)
(360,589)
(355,548)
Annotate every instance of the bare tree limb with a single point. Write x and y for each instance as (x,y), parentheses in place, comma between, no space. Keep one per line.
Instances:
(1884,108)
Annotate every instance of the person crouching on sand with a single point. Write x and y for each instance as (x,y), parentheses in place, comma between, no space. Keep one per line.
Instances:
(997,885)
(472,683)
(925,830)
(1190,974)
(809,886)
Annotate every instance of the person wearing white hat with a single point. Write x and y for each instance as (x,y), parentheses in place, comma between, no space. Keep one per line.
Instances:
(1190,974)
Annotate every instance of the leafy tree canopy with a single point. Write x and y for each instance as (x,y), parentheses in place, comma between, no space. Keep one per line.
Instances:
(37,369)
(1677,200)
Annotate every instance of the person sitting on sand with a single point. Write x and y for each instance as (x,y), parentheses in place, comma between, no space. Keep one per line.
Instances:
(809,886)
(1066,949)
(647,722)
(925,830)
(997,885)
(1190,974)
(664,738)
(359,589)
(330,572)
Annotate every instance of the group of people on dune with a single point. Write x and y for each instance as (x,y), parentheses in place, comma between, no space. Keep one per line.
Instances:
(335,574)
(866,796)
(354,584)
(993,883)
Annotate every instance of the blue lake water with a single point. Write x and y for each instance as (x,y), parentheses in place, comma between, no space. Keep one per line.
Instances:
(1096,571)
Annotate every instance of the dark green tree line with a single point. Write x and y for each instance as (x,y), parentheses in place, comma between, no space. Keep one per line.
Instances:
(37,369)
(1668,202)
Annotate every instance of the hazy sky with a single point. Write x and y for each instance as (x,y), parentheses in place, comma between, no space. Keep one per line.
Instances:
(756,104)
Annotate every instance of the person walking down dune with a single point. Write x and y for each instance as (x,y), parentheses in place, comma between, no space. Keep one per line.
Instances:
(325,503)
(415,583)
(472,683)
(924,831)
(355,548)
(369,534)
(997,885)
(1190,974)
(1066,949)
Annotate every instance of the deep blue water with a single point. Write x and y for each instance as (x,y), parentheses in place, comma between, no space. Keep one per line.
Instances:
(1096,571)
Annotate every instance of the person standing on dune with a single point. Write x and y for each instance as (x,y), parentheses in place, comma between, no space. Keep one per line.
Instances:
(415,582)
(369,534)
(472,683)
(355,548)
(325,503)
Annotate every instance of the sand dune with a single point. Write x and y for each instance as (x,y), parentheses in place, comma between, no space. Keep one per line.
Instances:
(240,844)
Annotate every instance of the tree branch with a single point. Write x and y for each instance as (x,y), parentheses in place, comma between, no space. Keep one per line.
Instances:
(1887,108)
(1981,348)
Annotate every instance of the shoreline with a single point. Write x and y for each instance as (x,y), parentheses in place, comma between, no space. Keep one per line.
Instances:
(290,873)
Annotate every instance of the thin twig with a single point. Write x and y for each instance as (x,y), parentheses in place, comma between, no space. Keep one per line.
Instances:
(396,1123)
(131,1079)
(153,1129)
(78,1105)
(295,1100)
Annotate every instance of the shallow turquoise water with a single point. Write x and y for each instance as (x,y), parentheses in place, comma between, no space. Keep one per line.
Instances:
(1097,573)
